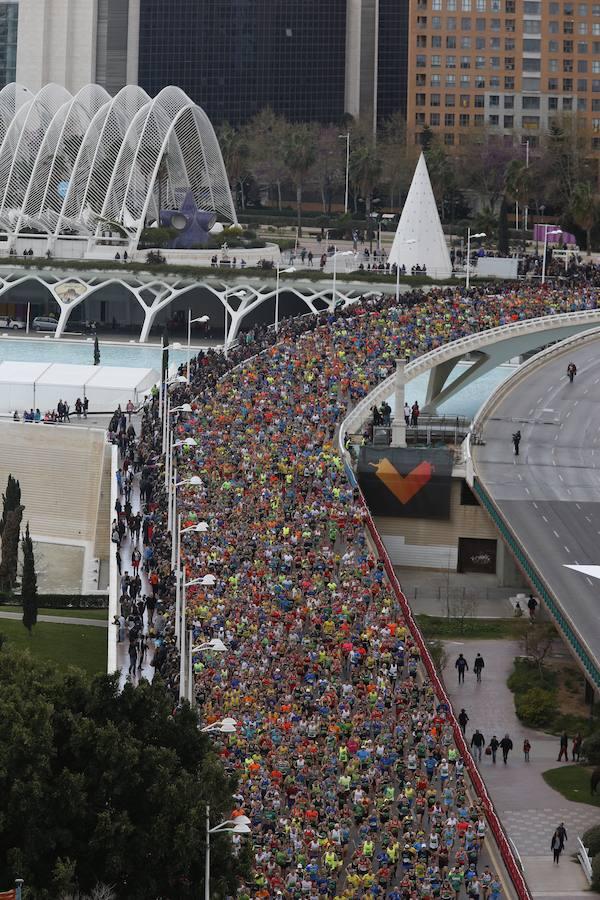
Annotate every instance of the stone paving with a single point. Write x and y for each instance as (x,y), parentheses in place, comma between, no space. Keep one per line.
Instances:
(530,810)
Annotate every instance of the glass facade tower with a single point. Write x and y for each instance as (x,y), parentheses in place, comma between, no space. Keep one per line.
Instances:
(236,57)
(9,21)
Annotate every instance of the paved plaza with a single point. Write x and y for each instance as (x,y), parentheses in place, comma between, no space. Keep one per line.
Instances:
(530,810)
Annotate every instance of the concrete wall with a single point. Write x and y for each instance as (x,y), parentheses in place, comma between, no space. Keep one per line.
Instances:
(56,43)
(431,543)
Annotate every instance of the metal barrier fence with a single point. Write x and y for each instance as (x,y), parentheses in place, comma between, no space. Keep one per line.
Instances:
(502,841)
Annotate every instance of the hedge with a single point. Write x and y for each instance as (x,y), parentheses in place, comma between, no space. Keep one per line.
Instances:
(61,601)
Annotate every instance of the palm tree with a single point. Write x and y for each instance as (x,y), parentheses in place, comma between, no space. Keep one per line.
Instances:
(365,169)
(518,186)
(584,210)
(299,156)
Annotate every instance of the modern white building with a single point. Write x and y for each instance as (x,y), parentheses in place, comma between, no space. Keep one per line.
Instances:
(89,171)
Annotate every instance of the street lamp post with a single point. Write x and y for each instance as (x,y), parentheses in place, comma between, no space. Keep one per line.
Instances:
(287,271)
(346,137)
(215,645)
(411,241)
(480,234)
(238,825)
(546,233)
(189,351)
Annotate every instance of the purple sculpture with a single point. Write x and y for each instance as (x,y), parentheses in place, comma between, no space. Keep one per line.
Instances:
(193,224)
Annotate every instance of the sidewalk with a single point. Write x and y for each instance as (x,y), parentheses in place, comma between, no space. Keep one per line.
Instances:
(529,809)
(59,620)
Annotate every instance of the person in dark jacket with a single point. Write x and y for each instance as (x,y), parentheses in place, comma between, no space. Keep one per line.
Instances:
(506,746)
(494,744)
(462,665)
(477,742)
(478,666)
(462,720)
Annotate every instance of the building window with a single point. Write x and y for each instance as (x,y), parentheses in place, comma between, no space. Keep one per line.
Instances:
(479,101)
(567,65)
(568,28)
(465,62)
(435,80)
(421,40)
(582,28)
(567,104)
(530,122)
(420,118)
(463,120)
(531,102)
(420,99)
(531,65)
(567,46)
(451,42)
(436,61)
(450,62)
(479,120)
(465,81)
(567,85)
(465,24)
(480,62)
(480,24)
(532,7)
(596,85)
(449,120)
(465,100)
(531,26)
(508,121)
(450,100)
(465,42)
(582,66)
(552,102)
(495,62)
(481,6)
(421,79)
(494,120)
(509,63)
(451,23)
(582,47)
(509,44)
(553,27)
(466,5)
(434,119)
(480,82)
(449,140)
(494,100)
(509,103)
(509,83)
(434,100)
(581,104)
(436,41)
(450,80)
(436,22)
(532,45)
(495,24)
(553,65)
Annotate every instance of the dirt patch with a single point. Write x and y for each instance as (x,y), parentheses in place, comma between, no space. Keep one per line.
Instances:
(570,688)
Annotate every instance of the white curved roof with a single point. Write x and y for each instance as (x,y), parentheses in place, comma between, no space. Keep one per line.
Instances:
(73,164)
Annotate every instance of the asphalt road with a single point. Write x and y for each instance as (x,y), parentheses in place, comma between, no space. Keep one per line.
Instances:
(550,493)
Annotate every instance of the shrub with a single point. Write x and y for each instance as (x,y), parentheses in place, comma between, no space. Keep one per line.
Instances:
(590,749)
(536,707)
(61,601)
(591,840)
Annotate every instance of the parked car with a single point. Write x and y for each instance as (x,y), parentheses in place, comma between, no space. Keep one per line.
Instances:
(44,323)
(8,322)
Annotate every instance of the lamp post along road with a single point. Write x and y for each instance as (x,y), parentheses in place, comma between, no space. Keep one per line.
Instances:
(346,137)
(202,319)
(335,256)
(480,234)
(238,825)
(546,233)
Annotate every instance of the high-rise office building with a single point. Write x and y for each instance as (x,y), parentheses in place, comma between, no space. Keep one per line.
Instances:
(9,21)
(236,57)
(392,58)
(506,66)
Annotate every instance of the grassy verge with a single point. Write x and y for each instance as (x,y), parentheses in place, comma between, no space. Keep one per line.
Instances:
(549,698)
(442,628)
(98,614)
(573,782)
(65,645)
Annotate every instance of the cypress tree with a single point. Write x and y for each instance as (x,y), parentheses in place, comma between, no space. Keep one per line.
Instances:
(503,236)
(10,500)
(29,593)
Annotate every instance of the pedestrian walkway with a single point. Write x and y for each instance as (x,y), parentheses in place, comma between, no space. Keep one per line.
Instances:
(127,546)
(530,809)
(59,620)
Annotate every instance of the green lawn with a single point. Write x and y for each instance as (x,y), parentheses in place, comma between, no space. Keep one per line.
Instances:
(66,645)
(573,782)
(100,614)
(443,628)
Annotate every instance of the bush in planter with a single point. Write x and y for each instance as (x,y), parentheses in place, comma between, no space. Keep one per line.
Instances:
(590,749)
(596,872)
(536,707)
(591,840)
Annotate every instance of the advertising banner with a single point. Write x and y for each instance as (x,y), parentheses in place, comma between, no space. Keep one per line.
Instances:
(406,481)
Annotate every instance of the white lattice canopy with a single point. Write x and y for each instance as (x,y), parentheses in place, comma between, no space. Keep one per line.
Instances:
(79,165)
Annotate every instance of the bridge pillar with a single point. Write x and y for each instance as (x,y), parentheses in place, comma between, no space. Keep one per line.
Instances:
(399,425)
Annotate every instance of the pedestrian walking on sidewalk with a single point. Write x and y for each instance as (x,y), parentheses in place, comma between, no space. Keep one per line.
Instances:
(576,748)
(526,749)
(562,833)
(132,657)
(462,720)
(506,746)
(477,742)
(493,745)
(556,846)
(564,747)
(478,666)
(462,665)
(516,439)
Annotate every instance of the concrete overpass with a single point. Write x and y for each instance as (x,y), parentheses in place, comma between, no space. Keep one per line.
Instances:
(546,501)
(489,349)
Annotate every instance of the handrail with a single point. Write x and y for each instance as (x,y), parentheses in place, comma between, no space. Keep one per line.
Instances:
(113,593)
(584,858)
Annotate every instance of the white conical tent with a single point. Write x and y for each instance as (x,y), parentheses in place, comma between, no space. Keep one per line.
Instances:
(419,237)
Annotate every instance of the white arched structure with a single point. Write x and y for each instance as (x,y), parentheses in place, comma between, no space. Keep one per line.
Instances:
(84,166)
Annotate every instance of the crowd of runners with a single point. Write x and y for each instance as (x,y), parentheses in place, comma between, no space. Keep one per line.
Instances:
(346,760)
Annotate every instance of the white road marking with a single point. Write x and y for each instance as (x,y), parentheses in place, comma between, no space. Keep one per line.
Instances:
(545,519)
(566,548)
(578,506)
(560,476)
(535,506)
(555,533)
(589,580)
(526,490)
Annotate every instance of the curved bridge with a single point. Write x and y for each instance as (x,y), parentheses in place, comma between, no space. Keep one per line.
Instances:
(489,348)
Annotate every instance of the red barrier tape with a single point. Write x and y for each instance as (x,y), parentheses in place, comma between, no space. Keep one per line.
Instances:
(506,852)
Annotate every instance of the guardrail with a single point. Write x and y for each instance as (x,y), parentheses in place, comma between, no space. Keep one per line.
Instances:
(584,858)
(508,857)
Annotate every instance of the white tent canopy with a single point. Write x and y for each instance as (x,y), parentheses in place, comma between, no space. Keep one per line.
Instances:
(25,385)
(419,237)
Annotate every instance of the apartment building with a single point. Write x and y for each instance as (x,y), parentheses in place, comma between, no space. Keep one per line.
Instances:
(506,66)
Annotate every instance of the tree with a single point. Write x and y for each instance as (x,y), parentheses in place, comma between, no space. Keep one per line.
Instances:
(10,548)
(537,642)
(518,186)
(29,593)
(483,165)
(503,237)
(330,169)
(234,149)
(96,351)
(11,499)
(299,155)
(365,167)
(397,161)
(265,138)
(584,210)
(107,787)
